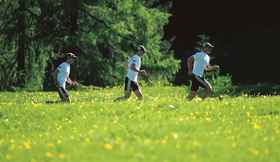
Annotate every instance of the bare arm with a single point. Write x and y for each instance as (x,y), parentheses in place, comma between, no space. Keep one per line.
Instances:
(212,67)
(190,64)
(71,82)
(133,67)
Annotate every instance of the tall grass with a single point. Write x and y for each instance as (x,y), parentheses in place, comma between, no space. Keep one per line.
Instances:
(164,127)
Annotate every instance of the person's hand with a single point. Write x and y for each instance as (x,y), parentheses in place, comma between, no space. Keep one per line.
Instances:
(72,83)
(216,67)
(143,72)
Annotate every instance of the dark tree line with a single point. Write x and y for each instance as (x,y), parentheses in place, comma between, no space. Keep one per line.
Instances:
(246,36)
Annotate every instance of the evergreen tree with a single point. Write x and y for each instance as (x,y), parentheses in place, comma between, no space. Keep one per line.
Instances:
(105,32)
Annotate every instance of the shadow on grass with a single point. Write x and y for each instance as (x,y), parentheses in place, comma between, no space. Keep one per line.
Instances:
(258,90)
(249,90)
(269,113)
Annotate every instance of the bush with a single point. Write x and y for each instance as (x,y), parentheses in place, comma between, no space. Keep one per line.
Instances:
(222,84)
(7,71)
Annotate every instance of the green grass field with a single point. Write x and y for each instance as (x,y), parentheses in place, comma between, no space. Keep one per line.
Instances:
(162,128)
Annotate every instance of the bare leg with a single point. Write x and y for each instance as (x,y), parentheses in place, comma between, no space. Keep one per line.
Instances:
(126,96)
(191,95)
(139,95)
(207,92)
(63,94)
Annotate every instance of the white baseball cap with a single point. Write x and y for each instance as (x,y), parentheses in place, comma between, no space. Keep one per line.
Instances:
(142,47)
(207,44)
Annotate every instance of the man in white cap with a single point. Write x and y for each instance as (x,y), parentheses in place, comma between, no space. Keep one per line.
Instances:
(131,80)
(62,77)
(197,64)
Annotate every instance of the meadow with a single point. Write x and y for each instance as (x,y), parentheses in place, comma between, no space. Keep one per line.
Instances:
(164,127)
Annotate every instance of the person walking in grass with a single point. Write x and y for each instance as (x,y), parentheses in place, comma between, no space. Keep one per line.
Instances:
(131,83)
(197,64)
(61,74)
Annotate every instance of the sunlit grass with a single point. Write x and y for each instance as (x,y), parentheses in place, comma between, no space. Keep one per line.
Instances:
(162,128)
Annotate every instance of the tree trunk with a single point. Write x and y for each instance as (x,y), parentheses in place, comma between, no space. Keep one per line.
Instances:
(21,43)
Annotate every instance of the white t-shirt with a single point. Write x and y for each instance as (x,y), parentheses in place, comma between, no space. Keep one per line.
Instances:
(63,74)
(131,74)
(201,60)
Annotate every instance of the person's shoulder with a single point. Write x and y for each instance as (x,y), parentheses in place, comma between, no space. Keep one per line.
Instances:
(63,64)
(204,54)
(135,57)
(197,53)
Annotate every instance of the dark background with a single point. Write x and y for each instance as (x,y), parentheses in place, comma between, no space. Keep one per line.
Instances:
(246,36)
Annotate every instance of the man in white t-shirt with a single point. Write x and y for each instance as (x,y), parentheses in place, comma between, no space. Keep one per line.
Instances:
(197,64)
(131,80)
(62,77)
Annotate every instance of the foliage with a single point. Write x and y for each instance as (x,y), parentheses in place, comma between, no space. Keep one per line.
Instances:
(103,33)
(222,84)
(122,26)
(7,70)
(163,127)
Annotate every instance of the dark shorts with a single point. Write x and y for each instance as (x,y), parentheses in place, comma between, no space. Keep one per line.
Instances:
(130,85)
(199,82)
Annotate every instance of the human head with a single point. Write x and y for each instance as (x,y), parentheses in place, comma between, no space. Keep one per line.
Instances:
(207,47)
(141,50)
(70,57)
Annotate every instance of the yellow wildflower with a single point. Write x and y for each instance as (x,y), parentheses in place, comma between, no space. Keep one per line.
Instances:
(50,145)
(257,126)
(61,156)
(49,154)
(27,145)
(108,146)
(8,157)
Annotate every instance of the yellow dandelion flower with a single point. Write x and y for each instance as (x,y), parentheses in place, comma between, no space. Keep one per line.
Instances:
(8,157)
(27,145)
(59,141)
(163,141)
(147,141)
(181,119)
(49,154)
(13,147)
(108,146)
(50,145)
(87,140)
(208,119)
(61,156)
(257,126)
(175,135)
(254,151)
